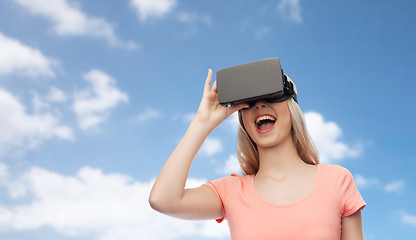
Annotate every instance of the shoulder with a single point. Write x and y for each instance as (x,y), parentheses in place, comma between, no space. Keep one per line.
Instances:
(232,181)
(228,188)
(339,182)
(334,169)
(335,173)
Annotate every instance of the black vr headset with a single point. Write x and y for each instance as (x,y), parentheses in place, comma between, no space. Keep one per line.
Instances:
(250,82)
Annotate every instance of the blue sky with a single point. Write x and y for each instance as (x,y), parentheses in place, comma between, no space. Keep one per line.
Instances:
(94,96)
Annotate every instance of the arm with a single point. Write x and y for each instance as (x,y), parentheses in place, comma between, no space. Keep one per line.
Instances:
(352,227)
(168,194)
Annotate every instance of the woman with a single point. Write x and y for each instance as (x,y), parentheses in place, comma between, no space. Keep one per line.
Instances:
(284,194)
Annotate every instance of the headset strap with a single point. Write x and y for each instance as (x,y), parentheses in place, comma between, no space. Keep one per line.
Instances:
(289,88)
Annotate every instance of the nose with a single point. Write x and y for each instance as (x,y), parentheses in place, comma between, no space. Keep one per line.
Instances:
(260,104)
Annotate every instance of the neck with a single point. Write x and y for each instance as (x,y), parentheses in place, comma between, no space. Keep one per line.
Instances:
(279,160)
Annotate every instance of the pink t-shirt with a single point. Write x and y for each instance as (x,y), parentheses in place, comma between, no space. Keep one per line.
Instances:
(317,216)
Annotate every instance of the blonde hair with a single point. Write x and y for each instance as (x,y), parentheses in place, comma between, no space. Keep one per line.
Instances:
(248,155)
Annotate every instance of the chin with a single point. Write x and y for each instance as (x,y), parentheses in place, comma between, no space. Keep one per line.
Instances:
(268,143)
(274,142)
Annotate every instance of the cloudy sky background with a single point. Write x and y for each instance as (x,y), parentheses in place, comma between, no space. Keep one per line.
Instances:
(94,96)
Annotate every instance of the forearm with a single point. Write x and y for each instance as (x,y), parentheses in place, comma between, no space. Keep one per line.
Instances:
(168,192)
(168,188)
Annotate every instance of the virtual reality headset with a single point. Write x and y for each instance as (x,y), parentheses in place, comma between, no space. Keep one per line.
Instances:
(254,81)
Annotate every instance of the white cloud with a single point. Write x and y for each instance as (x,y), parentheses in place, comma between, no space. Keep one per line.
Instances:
(263,32)
(290,9)
(22,130)
(326,137)
(105,206)
(18,58)
(231,124)
(211,146)
(4,172)
(148,9)
(43,103)
(92,105)
(56,95)
(395,186)
(392,187)
(69,20)
(189,117)
(149,114)
(363,182)
(193,18)
(230,166)
(152,8)
(408,219)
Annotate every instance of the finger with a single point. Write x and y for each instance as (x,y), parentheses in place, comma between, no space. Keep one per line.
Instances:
(208,81)
(238,107)
(214,87)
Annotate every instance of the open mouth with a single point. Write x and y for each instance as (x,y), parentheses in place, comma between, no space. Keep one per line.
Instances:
(265,123)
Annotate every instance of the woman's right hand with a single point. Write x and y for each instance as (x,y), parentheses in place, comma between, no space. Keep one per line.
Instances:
(210,111)
(168,194)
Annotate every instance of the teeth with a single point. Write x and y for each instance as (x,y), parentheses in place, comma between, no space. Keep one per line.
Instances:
(258,120)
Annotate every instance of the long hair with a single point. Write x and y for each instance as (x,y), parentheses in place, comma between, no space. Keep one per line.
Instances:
(247,152)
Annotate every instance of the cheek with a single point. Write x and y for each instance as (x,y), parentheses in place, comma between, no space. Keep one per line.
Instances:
(244,118)
(284,112)
(289,123)
(285,118)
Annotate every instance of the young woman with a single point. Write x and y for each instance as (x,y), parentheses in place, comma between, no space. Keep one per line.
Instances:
(284,194)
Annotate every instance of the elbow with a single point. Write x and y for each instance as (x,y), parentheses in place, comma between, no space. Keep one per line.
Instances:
(155,202)
(159,203)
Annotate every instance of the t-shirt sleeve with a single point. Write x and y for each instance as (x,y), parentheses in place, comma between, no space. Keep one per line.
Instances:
(219,186)
(217,192)
(352,199)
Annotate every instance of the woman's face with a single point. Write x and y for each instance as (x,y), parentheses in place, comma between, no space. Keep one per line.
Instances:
(268,124)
